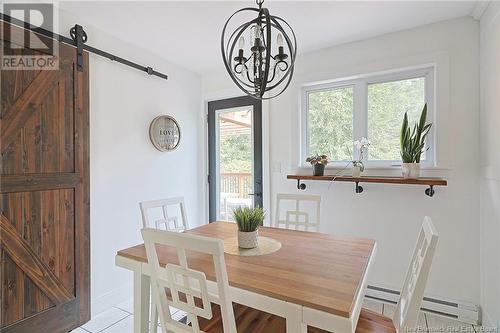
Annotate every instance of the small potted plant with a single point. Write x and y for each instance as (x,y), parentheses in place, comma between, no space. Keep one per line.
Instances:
(413,144)
(318,163)
(357,164)
(248,220)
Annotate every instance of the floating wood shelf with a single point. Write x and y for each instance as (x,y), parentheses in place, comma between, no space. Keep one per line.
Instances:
(427,181)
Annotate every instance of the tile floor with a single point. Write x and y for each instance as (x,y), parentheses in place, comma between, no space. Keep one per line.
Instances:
(119,319)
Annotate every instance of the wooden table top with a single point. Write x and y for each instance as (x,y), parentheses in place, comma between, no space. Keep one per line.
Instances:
(319,271)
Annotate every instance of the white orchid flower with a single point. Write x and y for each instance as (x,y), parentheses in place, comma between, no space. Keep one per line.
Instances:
(362,144)
(365,142)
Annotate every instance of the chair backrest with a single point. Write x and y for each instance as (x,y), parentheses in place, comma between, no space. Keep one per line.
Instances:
(165,222)
(297,217)
(195,298)
(407,310)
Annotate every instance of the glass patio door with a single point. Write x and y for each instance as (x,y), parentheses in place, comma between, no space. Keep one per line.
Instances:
(235,156)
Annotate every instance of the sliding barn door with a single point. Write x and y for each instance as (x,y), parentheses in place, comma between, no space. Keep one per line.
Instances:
(44,189)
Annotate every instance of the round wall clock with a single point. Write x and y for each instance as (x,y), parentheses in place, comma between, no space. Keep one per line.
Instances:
(165,133)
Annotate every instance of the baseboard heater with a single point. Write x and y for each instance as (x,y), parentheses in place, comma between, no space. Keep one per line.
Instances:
(464,312)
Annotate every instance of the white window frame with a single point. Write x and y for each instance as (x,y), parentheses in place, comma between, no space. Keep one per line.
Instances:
(360,115)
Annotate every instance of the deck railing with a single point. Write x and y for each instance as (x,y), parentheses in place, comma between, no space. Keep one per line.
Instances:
(236,184)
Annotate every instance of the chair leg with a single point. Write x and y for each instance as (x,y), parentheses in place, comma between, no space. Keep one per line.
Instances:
(153,324)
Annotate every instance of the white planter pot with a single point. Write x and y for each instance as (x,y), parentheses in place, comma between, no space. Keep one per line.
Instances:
(248,240)
(356,171)
(411,170)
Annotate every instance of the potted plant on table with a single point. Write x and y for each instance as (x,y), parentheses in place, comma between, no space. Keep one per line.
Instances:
(248,220)
(413,144)
(357,165)
(318,163)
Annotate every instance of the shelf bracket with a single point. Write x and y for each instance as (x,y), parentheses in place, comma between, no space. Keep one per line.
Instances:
(429,183)
(300,186)
(430,191)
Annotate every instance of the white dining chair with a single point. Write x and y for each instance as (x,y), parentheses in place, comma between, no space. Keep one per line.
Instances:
(157,212)
(168,222)
(292,211)
(174,279)
(406,315)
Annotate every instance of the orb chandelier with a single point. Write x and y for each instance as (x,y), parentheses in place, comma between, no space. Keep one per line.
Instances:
(252,66)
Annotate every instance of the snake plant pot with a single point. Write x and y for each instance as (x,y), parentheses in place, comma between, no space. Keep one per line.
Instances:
(411,170)
(356,171)
(248,240)
(318,169)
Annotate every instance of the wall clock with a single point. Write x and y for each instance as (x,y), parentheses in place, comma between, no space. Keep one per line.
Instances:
(165,133)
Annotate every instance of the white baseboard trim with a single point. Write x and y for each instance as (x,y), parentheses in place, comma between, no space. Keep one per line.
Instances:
(464,312)
(112,298)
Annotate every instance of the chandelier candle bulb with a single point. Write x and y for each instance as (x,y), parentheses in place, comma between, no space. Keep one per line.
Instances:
(253,34)
(281,49)
(279,40)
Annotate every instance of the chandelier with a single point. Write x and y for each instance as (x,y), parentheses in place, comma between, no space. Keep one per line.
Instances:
(252,66)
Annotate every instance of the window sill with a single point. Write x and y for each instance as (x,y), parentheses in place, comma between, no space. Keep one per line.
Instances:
(340,166)
(387,171)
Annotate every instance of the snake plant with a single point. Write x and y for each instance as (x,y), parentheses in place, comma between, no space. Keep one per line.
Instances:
(413,141)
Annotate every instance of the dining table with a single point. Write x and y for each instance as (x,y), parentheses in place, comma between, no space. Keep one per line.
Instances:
(314,279)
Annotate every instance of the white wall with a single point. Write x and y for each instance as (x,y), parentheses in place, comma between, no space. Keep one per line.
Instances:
(125,167)
(393,214)
(490,164)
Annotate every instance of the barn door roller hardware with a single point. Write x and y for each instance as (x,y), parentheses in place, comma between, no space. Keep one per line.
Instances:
(78,39)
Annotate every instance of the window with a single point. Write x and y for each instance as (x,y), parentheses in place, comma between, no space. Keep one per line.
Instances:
(335,114)
(327,136)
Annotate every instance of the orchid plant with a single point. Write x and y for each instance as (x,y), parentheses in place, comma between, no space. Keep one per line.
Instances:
(361,146)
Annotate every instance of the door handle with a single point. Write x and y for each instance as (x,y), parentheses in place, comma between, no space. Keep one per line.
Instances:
(257,194)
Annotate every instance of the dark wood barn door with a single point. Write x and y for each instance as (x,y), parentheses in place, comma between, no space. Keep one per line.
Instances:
(44,196)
